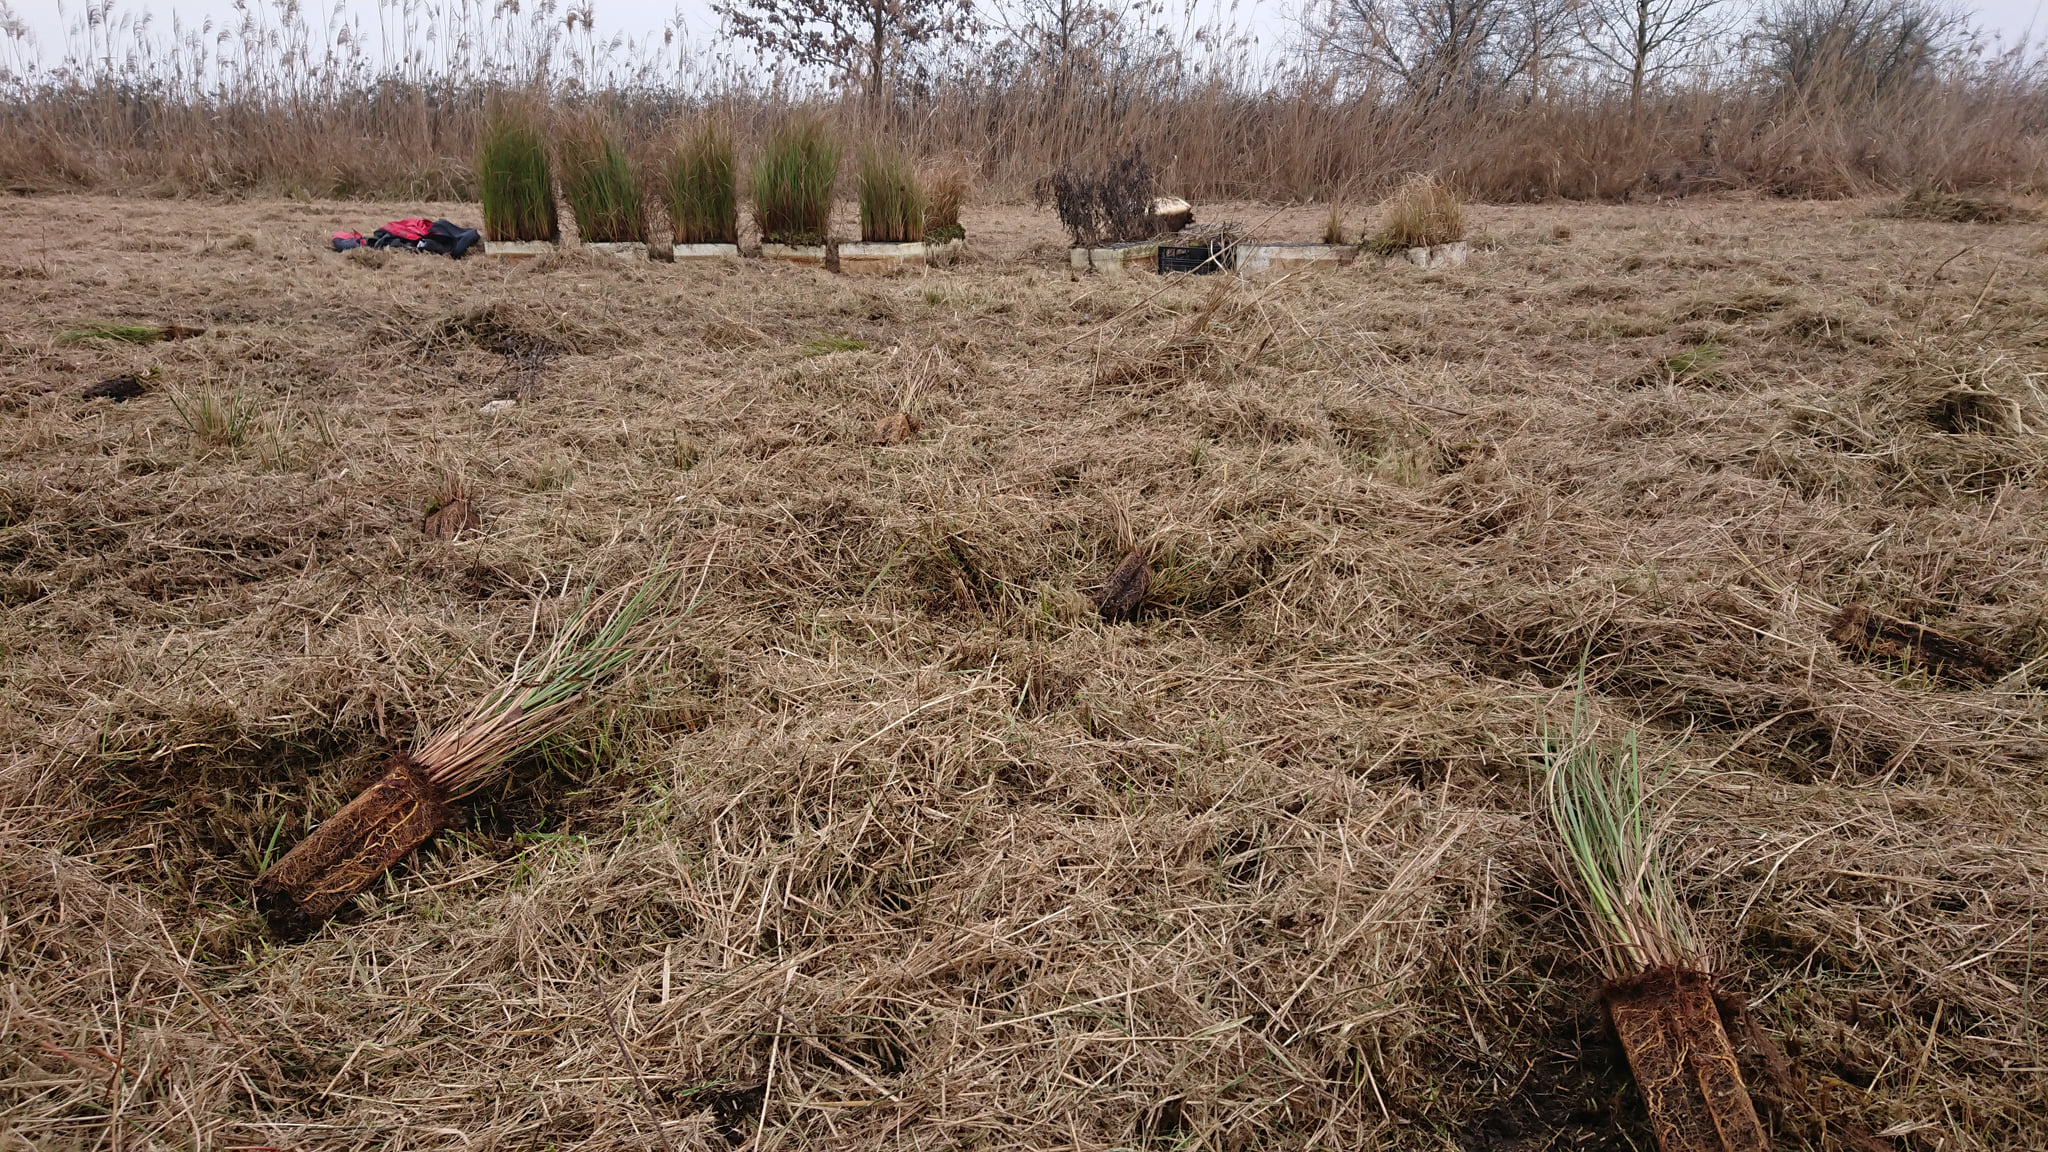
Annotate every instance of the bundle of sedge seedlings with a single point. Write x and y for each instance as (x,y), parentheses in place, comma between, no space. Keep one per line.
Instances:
(419,791)
(1658,980)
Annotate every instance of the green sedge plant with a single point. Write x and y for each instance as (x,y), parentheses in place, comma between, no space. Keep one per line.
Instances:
(891,203)
(605,638)
(1608,851)
(703,203)
(514,178)
(793,184)
(599,182)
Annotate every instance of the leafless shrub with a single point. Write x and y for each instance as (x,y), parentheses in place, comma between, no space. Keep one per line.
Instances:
(1109,206)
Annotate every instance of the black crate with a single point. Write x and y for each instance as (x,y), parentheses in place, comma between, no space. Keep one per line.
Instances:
(1200,259)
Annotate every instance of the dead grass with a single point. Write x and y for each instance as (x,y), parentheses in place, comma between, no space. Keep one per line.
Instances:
(907,847)
(1423,212)
(1923,203)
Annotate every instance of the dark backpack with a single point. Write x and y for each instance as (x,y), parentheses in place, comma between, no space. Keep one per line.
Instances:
(445,238)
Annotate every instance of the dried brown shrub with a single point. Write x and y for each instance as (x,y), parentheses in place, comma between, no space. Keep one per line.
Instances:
(1424,211)
(1924,203)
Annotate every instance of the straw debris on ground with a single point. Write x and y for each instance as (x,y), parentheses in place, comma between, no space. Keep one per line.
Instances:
(901,845)
(1924,203)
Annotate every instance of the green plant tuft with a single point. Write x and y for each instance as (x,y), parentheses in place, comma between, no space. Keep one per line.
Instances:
(891,203)
(125,333)
(793,185)
(1608,851)
(1698,364)
(599,183)
(826,345)
(221,420)
(603,639)
(513,177)
(702,198)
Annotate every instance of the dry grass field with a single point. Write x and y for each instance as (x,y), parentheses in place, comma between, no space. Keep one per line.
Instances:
(902,847)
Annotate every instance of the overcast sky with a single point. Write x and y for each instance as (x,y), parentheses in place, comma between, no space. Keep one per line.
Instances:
(1268,19)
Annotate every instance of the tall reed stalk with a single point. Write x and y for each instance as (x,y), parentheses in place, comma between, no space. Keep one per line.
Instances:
(702,195)
(793,184)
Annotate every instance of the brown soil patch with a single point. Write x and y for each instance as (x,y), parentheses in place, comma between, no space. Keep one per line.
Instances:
(117,388)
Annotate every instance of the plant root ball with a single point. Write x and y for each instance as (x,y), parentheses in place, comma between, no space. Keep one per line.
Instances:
(1172,213)
(352,848)
(895,428)
(1125,593)
(1683,1063)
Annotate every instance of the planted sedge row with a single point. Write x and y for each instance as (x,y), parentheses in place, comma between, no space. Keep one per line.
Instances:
(792,186)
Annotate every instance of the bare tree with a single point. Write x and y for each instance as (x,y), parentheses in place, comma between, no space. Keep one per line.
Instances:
(867,39)
(1078,44)
(1859,49)
(1060,33)
(1645,38)
(1452,49)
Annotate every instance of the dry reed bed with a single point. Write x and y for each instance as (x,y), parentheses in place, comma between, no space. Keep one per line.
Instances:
(1299,141)
(904,848)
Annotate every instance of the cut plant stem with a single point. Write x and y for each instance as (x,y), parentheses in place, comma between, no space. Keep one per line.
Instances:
(1658,993)
(416,795)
